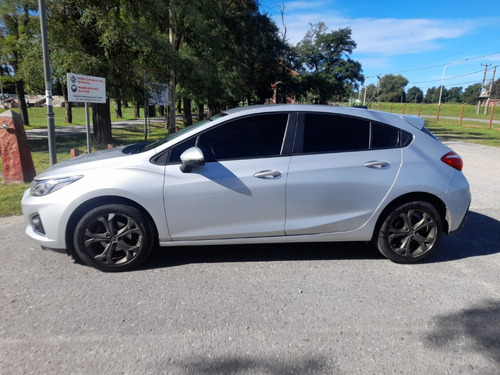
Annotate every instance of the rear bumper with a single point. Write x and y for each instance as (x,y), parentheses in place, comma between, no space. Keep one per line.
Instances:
(462,223)
(458,200)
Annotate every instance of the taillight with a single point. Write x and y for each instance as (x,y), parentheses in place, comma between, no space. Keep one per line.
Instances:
(453,160)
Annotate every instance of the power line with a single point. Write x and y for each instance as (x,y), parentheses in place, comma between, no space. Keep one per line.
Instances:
(449,78)
(440,65)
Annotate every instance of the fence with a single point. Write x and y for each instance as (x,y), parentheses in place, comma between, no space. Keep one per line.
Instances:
(463,113)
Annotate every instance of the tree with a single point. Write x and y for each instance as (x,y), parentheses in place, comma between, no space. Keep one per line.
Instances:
(231,55)
(103,42)
(370,93)
(392,88)
(326,69)
(415,95)
(454,95)
(471,93)
(432,94)
(219,52)
(15,29)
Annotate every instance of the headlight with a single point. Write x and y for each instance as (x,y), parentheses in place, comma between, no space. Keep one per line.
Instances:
(39,188)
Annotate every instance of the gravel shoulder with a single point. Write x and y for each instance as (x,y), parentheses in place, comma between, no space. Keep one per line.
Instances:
(482,169)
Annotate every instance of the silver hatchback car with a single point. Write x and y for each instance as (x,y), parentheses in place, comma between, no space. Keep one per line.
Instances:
(260,174)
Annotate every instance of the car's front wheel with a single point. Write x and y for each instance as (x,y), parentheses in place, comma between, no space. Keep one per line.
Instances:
(113,237)
(410,233)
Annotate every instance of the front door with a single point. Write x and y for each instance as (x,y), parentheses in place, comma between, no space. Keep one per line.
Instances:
(240,191)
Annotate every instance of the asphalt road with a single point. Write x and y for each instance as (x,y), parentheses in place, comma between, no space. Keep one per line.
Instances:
(294,309)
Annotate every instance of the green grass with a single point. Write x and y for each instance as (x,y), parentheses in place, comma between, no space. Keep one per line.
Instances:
(38,116)
(451,131)
(447,110)
(10,198)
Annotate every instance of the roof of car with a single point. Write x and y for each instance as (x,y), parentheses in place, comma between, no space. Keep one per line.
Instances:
(415,121)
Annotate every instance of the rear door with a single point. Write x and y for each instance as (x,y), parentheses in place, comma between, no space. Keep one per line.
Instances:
(341,170)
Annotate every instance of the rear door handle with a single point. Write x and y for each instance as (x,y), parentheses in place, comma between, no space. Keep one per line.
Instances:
(268,174)
(376,164)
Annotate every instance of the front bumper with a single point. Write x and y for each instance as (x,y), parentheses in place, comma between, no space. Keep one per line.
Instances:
(45,220)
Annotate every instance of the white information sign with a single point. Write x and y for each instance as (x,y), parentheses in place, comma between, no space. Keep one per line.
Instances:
(86,89)
(158,94)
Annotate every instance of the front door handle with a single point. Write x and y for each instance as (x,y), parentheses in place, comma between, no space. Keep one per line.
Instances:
(376,164)
(267,174)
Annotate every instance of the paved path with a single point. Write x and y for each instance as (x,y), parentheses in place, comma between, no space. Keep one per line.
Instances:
(484,120)
(81,129)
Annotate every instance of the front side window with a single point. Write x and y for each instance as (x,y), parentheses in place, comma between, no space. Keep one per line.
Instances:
(248,137)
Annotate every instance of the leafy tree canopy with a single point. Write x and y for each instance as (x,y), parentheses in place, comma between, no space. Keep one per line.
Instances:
(324,63)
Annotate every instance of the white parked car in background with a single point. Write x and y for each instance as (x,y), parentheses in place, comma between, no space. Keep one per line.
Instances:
(261,174)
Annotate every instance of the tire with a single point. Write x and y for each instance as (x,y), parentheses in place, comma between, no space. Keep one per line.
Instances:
(113,237)
(410,233)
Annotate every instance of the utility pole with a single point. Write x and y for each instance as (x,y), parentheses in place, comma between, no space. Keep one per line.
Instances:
(51,131)
(489,91)
(481,94)
(484,75)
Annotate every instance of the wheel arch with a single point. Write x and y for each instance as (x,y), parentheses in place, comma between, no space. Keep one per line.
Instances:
(438,204)
(96,202)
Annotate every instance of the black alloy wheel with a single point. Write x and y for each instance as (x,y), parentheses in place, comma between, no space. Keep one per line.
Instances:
(113,237)
(410,233)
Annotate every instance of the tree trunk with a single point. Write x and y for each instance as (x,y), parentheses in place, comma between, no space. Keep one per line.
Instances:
(161,110)
(68,112)
(22,101)
(179,105)
(137,109)
(188,116)
(175,43)
(118,108)
(201,111)
(101,118)
(171,106)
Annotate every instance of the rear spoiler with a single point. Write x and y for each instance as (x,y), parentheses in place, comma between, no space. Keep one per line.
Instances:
(415,121)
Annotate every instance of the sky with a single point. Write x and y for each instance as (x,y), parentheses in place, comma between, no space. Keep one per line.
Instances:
(421,40)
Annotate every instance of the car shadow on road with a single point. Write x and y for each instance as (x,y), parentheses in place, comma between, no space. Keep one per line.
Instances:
(229,364)
(480,236)
(181,255)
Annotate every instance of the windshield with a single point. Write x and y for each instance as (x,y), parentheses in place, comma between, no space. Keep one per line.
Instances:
(149,145)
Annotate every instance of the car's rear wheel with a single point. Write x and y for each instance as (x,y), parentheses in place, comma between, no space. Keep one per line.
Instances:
(113,237)
(409,233)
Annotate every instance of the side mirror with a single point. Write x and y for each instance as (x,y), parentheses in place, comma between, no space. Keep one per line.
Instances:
(192,157)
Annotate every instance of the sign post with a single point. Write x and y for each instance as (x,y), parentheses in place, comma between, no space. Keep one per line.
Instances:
(157,94)
(51,128)
(86,89)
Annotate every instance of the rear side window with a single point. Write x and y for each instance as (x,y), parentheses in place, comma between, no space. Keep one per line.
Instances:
(334,133)
(327,133)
